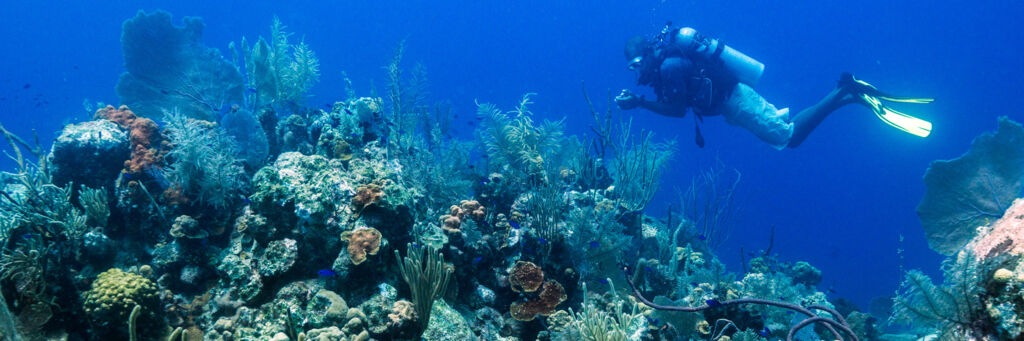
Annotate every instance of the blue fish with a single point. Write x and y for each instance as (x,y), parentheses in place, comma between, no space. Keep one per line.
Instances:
(204,241)
(648,269)
(514,224)
(765,332)
(326,273)
(477,260)
(603,281)
(251,90)
(27,236)
(483,181)
(789,312)
(702,237)
(415,245)
(694,284)
(127,175)
(594,244)
(713,303)
(348,111)
(542,240)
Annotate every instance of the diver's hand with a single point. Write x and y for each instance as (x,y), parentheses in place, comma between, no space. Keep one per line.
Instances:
(627,100)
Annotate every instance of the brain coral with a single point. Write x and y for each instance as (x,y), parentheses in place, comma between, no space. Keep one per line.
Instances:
(113,295)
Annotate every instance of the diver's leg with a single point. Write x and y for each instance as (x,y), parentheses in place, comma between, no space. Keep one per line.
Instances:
(808,119)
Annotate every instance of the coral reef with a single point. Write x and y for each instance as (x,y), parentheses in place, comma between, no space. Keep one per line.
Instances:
(248,215)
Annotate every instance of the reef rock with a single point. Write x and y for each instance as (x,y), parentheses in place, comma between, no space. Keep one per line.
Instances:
(89,154)
(446,324)
(1003,237)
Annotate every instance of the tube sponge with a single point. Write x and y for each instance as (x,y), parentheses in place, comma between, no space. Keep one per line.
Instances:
(973,189)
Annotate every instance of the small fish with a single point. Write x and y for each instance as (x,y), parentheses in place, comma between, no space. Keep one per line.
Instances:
(472,167)
(75,67)
(483,156)
(28,236)
(594,244)
(648,269)
(764,332)
(251,90)
(26,86)
(484,181)
(204,241)
(713,303)
(415,245)
(694,284)
(477,260)
(164,91)
(355,135)
(328,105)
(128,176)
(603,281)
(542,240)
(514,224)
(326,273)
(789,312)
(702,237)
(347,111)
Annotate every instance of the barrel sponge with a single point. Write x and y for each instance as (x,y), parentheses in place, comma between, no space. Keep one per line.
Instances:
(114,294)
(973,189)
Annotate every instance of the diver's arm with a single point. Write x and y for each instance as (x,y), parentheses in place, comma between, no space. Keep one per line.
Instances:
(628,100)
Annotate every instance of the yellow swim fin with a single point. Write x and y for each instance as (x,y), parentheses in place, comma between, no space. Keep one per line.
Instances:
(872,97)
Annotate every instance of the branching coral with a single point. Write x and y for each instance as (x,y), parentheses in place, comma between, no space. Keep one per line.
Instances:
(427,275)
(532,153)
(637,167)
(711,204)
(278,72)
(955,309)
(203,162)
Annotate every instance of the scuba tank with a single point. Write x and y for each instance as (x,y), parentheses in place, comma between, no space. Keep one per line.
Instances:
(744,69)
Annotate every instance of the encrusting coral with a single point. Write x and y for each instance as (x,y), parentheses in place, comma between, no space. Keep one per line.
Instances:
(362,242)
(471,209)
(551,294)
(525,277)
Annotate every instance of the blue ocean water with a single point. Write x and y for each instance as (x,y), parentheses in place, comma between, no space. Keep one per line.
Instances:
(842,201)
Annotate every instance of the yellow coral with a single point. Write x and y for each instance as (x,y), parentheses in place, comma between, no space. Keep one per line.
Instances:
(1002,275)
(114,294)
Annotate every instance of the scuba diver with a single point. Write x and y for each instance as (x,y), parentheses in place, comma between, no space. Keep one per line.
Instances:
(688,70)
